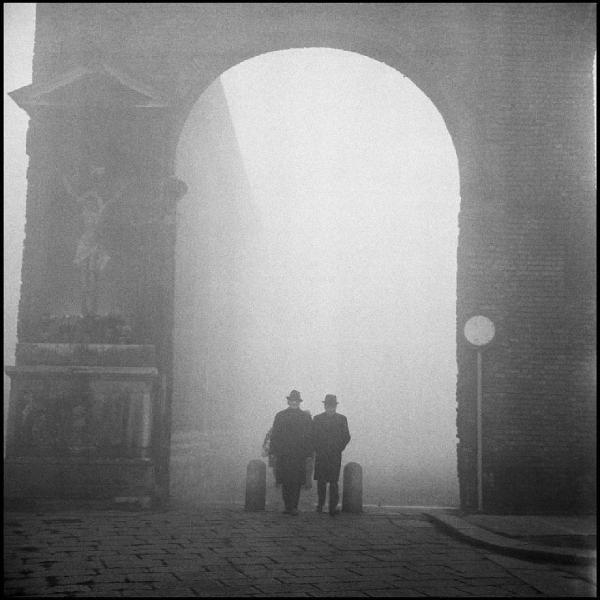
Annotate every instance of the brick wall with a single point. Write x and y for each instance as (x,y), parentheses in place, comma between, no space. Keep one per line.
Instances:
(514,85)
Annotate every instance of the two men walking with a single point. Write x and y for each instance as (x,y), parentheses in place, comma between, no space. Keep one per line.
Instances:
(294,438)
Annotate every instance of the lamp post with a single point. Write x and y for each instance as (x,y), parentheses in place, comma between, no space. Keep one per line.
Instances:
(479,331)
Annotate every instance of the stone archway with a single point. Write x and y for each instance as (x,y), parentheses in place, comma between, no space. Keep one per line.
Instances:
(223,250)
(112,87)
(405,57)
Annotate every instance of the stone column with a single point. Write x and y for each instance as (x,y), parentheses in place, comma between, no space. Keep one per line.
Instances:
(97,270)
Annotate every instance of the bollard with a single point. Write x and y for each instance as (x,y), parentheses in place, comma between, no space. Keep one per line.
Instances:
(256,485)
(352,493)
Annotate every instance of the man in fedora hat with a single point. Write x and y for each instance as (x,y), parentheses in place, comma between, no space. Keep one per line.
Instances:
(330,436)
(291,444)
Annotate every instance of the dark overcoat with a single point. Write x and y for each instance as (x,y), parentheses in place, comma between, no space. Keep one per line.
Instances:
(330,437)
(291,444)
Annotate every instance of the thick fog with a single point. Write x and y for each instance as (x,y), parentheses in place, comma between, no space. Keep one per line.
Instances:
(19,25)
(317,251)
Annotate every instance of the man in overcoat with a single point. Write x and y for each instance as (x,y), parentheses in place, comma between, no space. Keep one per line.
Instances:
(291,444)
(330,437)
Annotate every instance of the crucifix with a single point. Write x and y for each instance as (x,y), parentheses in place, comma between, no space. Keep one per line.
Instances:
(91,255)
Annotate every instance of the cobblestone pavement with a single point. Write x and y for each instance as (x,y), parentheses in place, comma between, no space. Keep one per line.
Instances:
(216,552)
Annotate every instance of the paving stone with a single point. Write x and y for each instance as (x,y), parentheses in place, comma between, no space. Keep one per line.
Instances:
(395,593)
(58,570)
(174,592)
(149,563)
(557,583)
(64,589)
(288,595)
(124,571)
(383,571)
(139,586)
(224,553)
(484,581)
(296,566)
(151,577)
(521,590)
(223,593)
(96,594)
(516,563)
(443,592)
(71,579)
(250,561)
(203,583)
(109,576)
(303,579)
(107,586)
(340,570)
(126,563)
(476,571)
(354,594)
(483,590)
(584,572)
(168,569)
(355,585)
(235,582)
(284,588)
(27,581)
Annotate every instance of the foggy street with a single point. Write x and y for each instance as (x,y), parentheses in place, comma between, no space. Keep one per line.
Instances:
(224,551)
(300,299)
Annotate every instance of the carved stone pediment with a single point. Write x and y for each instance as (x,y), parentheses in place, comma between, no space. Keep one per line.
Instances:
(97,85)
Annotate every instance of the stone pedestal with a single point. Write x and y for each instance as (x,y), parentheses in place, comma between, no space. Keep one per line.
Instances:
(353,488)
(81,423)
(256,486)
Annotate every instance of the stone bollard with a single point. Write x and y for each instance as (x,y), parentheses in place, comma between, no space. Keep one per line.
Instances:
(352,493)
(256,485)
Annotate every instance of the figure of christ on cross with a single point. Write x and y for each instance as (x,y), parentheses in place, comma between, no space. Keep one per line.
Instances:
(91,256)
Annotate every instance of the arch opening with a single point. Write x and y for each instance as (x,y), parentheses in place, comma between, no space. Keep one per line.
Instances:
(316,250)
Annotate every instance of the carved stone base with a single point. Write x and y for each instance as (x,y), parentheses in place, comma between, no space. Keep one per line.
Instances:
(80,424)
(103,482)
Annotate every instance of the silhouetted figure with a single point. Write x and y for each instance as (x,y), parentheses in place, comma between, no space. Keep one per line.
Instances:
(291,445)
(330,436)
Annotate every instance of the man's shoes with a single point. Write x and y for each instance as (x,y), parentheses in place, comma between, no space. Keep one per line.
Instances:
(286,511)
(293,512)
(319,508)
(334,511)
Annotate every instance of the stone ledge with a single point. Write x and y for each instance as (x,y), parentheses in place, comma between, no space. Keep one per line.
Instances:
(105,355)
(79,460)
(41,478)
(116,504)
(505,545)
(67,371)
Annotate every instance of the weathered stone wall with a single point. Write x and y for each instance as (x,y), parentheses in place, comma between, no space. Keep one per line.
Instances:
(80,424)
(514,85)
(214,222)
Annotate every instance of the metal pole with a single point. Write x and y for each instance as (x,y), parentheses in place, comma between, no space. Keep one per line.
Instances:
(479,449)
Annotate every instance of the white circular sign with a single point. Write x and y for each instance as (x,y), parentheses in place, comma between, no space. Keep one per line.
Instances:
(479,330)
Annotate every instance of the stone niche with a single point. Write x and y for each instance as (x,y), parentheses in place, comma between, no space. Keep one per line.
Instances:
(80,424)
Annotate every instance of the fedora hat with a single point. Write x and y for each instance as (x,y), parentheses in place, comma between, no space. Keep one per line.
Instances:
(330,399)
(295,395)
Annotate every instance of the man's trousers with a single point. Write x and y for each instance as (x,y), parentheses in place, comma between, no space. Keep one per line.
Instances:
(334,494)
(291,474)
